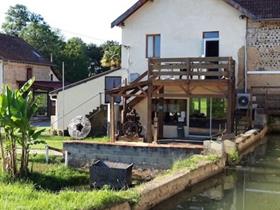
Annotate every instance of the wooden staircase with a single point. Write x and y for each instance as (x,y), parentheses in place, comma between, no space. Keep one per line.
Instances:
(98,119)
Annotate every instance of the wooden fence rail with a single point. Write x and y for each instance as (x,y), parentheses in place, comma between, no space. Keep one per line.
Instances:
(191,68)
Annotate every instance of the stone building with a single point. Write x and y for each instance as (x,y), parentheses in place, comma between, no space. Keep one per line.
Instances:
(19,62)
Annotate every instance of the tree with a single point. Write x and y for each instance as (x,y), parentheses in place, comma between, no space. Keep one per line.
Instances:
(16,109)
(17,18)
(46,40)
(76,60)
(94,54)
(112,55)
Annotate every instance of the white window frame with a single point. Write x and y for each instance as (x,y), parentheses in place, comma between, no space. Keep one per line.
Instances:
(204,44)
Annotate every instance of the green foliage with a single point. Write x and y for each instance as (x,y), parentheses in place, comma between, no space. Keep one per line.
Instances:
(233,156)
(46,40)
(76,60)
(112,55)
(95,54)
(194,162)
(81,60)
(17,107)
(16,19)
(58,178)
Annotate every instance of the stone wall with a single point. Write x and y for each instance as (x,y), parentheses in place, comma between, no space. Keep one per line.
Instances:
(263,46)
(14,72)
(82,154)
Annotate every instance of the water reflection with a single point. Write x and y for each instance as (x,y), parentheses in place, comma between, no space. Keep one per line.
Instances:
(254,186)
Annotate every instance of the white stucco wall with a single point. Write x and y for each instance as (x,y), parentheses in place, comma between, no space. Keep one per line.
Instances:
(181,24)
(81,99)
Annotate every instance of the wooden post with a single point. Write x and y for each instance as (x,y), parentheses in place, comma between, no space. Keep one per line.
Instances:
(230,98)
(161,114)
(124,105)
(112,120)
(124,109)
(155,129)
(149,106)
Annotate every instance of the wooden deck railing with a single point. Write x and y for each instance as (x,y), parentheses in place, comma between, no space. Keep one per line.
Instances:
(191,68)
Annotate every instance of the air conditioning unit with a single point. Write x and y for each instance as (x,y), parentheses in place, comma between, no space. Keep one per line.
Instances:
(243,100)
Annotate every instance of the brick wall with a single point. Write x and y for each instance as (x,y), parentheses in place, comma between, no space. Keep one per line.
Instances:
(263,45)
(150,156)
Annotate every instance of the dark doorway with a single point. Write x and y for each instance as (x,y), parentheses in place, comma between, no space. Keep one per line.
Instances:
(212,50)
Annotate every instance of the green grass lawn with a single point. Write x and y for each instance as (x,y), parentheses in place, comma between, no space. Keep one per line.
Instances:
(53,186)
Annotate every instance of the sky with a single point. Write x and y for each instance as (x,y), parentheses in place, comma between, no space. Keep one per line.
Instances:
(87,19)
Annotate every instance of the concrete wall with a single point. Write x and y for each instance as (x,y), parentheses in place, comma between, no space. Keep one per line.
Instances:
(14,72)
(142,155)
(181,25)
(81,99)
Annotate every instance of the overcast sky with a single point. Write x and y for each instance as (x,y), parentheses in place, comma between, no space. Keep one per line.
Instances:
(88,19)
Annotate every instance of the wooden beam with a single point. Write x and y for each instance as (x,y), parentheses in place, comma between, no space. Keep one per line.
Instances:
(178,82)
(176,95)
(112,120)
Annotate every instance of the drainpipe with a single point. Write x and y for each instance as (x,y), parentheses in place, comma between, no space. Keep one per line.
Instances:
(127,47)
(246,59)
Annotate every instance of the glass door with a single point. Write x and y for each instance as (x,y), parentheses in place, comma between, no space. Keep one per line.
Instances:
(175,118)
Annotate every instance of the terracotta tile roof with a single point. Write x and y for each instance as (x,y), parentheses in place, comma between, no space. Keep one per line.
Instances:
(255,9)
(17,50)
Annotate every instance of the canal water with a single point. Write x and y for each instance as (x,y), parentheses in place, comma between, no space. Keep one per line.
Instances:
(253,186)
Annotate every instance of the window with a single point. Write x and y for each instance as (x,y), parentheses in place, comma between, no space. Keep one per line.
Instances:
(29,73)
(153,46)
(211,35)
(175,111)
(111,83)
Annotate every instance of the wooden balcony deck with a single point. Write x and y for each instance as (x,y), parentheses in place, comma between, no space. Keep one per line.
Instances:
(181,78)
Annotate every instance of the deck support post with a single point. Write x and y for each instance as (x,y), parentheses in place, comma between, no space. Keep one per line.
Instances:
(149,115)
(230,98)
(124,109)
(149,138)
(112,120)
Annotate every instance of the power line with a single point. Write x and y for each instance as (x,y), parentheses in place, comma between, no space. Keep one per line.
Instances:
(81,35)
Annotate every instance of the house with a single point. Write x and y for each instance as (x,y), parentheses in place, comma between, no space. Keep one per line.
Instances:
(190,70)
(20,62)
(85,98)
(197,55)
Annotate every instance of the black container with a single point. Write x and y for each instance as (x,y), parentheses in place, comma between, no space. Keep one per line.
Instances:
(115,175)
